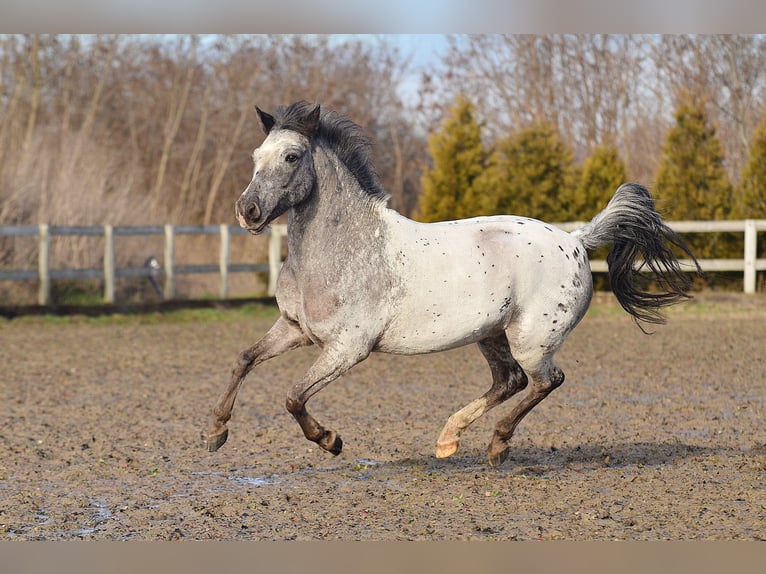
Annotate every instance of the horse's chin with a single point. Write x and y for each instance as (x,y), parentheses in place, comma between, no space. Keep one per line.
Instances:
(256,230)
(253,229)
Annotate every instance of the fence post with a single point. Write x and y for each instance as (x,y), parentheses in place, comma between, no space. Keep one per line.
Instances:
(224,260)
(108,264)
(751,246)
(275,259)
(170,261)
(43,267)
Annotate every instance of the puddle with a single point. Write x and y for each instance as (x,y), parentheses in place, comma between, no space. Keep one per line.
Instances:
(102,516)
(263,480)
(359,465)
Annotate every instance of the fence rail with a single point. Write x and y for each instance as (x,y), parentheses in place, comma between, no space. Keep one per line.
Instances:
(749,264)
(109,272)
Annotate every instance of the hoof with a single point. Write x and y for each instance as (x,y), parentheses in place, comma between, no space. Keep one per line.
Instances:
(445,449)
(215,441)
(337,446)
(332,443)
(496,459)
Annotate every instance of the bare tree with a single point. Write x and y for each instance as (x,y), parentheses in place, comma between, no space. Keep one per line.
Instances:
(151,129)
(730,70)
(596,88)
(586,85)
(176,104)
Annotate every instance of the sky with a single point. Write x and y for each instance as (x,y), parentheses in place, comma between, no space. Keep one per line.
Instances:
(401,16)
(425,50)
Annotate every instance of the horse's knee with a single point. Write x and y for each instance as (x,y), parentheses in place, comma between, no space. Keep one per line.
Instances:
(244,363)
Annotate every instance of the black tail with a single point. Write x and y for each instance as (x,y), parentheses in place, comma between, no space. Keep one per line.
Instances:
(637,233)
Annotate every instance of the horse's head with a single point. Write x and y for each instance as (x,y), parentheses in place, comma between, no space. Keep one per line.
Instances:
(284,174)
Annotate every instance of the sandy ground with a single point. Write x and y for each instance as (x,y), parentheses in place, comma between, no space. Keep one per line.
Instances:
(650,437)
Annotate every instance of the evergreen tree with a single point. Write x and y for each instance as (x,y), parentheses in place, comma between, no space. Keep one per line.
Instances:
(602,174)
(449,188)
(751,194)
(691,182)
(530,173)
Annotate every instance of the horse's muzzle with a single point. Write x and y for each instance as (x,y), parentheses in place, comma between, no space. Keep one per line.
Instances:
(248,213)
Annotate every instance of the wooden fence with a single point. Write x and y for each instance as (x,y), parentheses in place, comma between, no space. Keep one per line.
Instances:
(169,270)
(748,265)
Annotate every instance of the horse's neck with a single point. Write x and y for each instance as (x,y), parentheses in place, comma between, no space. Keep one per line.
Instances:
(338,210)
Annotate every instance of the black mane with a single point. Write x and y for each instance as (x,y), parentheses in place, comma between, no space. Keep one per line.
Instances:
(346,139)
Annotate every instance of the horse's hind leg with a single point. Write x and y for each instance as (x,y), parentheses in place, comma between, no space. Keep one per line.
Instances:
(283,336)
(545,376)
(507,379)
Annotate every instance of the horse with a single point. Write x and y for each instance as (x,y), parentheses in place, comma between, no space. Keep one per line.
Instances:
(360,277)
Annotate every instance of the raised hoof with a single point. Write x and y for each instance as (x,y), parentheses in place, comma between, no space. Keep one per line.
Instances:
(215,441)
(332,443)
(445,449)
(497,458)
(337,446)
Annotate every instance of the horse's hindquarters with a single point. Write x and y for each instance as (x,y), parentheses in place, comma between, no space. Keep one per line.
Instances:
(466,280)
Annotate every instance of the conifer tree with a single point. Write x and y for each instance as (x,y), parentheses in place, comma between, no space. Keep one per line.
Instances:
(691,182)
(603,172)
(531,174)
(449,188)
(751,194)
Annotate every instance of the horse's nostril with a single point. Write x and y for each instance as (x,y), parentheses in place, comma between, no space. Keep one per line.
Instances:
(252,212)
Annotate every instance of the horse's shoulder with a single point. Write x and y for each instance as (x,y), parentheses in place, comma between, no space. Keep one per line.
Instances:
(287,291)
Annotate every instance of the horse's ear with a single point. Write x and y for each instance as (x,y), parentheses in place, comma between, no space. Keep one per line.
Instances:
(267,120)
(311,123)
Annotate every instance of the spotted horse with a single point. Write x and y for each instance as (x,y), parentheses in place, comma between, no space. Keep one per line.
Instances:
(361,278)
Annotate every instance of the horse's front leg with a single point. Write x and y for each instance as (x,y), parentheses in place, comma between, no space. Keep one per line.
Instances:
(332,363)
(283,336)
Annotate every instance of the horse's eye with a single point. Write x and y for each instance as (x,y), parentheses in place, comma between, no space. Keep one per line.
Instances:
(291,158)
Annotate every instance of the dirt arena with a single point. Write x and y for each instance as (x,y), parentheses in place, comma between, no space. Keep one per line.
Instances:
(650,437)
